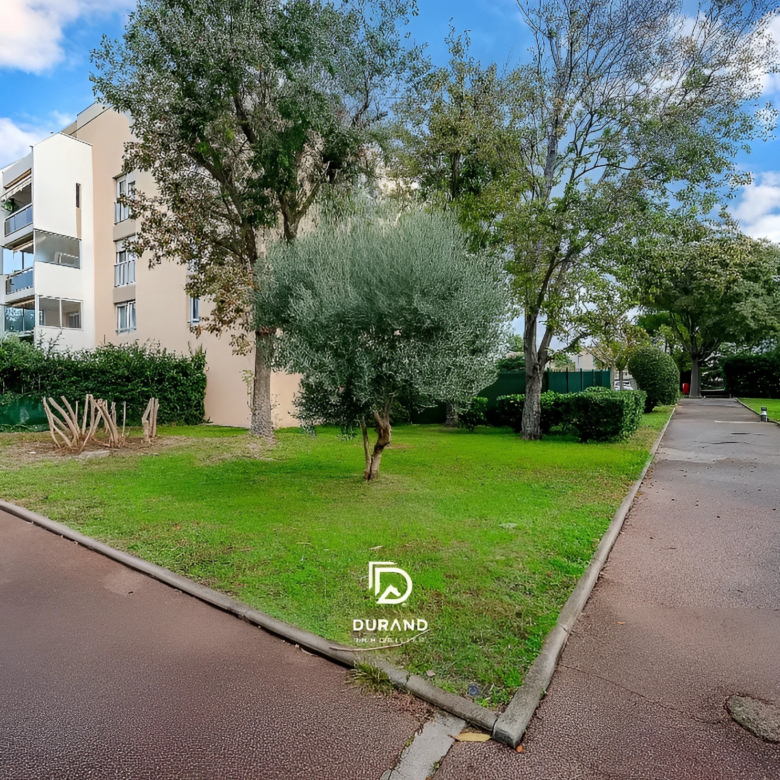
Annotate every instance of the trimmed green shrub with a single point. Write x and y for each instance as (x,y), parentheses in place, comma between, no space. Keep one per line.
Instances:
(130,373)
(508,411)
(605,414)
(754,376)
(657,375)
(475,415)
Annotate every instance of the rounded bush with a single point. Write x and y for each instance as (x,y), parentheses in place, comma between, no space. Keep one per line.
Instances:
(657,374)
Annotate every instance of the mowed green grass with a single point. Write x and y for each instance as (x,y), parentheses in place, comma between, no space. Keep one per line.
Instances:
(772,406)
(494,531)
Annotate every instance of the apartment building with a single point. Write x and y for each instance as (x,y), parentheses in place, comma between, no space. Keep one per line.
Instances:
(67,278)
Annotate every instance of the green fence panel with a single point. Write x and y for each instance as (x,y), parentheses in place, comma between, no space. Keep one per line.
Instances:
(513,383)
(22,410)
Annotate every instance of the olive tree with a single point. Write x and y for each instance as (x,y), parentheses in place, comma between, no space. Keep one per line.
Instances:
(382,309)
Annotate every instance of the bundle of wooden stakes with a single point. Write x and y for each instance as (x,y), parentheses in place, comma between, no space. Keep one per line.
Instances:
(69,433)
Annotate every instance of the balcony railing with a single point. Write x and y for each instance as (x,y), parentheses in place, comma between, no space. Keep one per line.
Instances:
(124,273)
(19,281)
(19,320)
(18,220)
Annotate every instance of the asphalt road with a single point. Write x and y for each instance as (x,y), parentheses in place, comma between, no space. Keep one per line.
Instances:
(686,614)
(106,673)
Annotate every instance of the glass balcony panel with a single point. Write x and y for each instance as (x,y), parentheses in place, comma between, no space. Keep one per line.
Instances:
(19,259)
(60,250)
(18,220)
(19,319)
(18,282)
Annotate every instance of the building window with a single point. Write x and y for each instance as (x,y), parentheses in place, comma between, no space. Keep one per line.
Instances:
(193,310)
(59,313)
(124,267)
(125,317)
(125,186)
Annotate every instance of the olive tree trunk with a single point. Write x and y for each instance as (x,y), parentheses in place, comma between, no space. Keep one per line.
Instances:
(452,416)
(262,422)
(384,436)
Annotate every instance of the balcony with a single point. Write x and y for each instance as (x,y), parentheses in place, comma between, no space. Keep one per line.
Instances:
(18,220)
(22,280)
(19,319)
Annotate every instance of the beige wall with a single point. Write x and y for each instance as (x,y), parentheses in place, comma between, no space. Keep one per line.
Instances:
(161,302)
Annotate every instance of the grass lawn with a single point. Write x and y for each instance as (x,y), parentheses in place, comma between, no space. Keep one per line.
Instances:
(772,406)
(494,531)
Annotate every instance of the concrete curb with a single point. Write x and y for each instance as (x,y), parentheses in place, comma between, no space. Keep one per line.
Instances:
(513,722)
(758,414)
(457,705)
(507,727)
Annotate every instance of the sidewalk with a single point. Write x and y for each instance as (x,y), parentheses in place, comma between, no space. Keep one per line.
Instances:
(687,613)
(105,672)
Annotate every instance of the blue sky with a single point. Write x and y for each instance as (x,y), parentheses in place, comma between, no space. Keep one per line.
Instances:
(44,75)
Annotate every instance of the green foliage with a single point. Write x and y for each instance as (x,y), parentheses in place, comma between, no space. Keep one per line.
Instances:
(757,376)
(516,363)
(508,411)
(129,373)
(596,414)
(475,415)
(715,286)
(454,139)
(376,310)
(657,375)
(601,414)
(245,111)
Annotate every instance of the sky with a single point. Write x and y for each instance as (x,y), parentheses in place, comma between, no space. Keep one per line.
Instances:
(44,75)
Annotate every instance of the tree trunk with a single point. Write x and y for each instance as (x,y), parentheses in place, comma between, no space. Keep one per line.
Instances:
(383,433)
(262,423)
(452,416)
(695,377)
(620,379)
(532,408)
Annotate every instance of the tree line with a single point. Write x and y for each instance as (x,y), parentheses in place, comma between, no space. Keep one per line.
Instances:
(580,184)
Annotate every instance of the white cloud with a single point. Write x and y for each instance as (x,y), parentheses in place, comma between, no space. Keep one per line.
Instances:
(16,138)
(758,211)
(31,30)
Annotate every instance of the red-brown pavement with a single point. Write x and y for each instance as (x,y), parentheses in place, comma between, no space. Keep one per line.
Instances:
(106,673)
(687,613)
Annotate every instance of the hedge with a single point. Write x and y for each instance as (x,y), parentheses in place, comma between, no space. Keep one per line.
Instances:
(606,414)
(128,373)
(657,374)
(754,376)
(595,414)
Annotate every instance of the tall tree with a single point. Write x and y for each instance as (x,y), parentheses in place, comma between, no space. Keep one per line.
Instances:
(629,105)
(717,287)
(377,310)
(454,143)
(242,111)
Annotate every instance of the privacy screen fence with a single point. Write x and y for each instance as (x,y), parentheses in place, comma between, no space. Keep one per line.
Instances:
(513,383)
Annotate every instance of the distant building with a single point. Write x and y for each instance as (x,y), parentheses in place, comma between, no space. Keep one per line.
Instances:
(66,275)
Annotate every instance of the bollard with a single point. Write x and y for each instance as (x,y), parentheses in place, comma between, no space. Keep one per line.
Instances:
(764,414)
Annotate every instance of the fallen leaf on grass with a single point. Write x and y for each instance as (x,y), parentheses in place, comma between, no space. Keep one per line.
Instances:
(472,736)
(430,673)
(378,547)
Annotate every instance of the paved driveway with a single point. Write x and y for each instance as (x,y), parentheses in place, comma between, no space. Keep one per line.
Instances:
(106,673)
(686,614)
